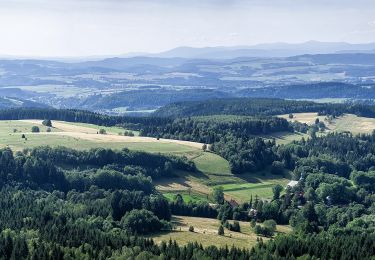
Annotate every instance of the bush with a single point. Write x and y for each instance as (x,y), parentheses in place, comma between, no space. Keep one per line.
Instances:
(235,227)
(47,122)
(218,194)
(102,131)
(220,232)
(253,223)
(128,133)
(191,229)
(268,229)
(35,129)
(271,224)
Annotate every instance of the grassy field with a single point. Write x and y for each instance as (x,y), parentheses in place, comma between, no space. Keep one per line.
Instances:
(214,171)
(347,122)
(285,137)
(307,118)
(205,232)
(112,129)
(193,196)
(82,137)
(256,185)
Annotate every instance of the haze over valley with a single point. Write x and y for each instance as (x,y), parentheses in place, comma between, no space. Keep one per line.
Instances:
(118,85)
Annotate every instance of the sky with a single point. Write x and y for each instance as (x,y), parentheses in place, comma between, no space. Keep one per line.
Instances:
(66,28)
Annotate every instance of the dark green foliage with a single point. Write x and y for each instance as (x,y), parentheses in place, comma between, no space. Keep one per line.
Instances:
(35,129)
(259,107)
(277,189)
(365,180)
(245,155)
(47,122)
(218,194)
(141,221)
(220,232)
(213,129)
(195,209)
(235,226)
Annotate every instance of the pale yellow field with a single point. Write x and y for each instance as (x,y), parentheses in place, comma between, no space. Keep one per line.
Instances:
(345,123)
(307,118)
(205,232)
(90,134)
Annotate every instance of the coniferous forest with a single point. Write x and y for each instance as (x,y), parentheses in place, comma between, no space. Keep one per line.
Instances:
(61,203)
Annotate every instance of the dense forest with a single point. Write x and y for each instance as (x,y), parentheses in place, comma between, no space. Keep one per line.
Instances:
(259,107)
(104,201)
(212,129)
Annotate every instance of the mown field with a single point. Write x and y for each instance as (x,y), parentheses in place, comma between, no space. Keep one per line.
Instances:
(205,232)
(213,170)
(347,122)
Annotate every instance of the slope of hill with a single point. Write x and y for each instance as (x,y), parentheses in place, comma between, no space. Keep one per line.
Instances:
(7,102)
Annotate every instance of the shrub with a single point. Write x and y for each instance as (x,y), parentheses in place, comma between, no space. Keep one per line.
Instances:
(191,229)
(235,226)
(102,131)
(128,133)
(35,129)
(267,230)
(47,122)
(253,223)
(220,232)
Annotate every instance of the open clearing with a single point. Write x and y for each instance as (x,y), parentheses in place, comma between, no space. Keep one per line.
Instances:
(213,171)
(89,133)
(205,232)
(285,137)
(347,122)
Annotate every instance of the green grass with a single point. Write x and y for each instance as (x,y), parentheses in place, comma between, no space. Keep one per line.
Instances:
(193,197)
(285,137)
(108,129)
(214,171)
(254,184)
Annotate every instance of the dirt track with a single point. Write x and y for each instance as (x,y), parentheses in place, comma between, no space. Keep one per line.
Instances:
(88,133)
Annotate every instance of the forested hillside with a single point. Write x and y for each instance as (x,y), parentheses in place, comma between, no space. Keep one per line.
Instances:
(259,107)
(6,102)
(60,203)
(104,201)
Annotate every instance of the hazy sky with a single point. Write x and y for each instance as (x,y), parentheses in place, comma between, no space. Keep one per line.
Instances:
(101,27)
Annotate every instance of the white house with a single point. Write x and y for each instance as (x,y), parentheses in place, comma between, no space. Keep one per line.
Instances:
(291,184)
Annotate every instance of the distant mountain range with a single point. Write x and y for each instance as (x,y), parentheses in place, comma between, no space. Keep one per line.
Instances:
(278,49)
(268,50)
